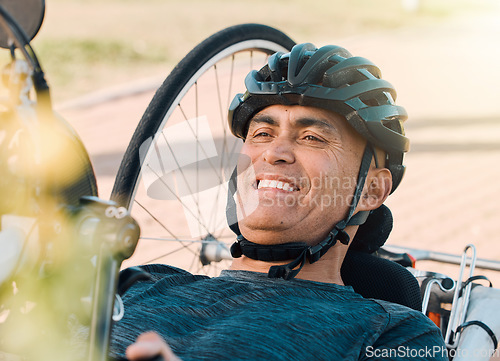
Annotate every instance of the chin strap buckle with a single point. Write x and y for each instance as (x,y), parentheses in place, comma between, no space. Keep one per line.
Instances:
(280,272)
(287,271)
(317,251)
(343,237)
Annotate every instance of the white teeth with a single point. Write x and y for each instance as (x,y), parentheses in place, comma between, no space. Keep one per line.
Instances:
(267,183)
(263,183)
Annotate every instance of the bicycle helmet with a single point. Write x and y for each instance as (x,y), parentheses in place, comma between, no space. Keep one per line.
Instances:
(329,78)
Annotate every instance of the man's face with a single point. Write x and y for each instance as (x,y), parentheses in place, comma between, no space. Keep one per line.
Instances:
(297,174)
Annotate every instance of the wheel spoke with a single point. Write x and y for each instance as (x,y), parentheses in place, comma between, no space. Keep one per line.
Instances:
(155,219)
(207,157)
(170,253)
(200,221)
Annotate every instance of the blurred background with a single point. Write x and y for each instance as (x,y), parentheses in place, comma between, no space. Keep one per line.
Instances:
(105,58)
(92,44)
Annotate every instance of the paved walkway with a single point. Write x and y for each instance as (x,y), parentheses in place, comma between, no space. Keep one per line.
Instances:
(448,78)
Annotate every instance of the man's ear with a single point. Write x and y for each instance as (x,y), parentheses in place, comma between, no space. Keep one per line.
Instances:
(377,188)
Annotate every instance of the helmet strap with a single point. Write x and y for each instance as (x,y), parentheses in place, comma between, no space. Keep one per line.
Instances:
(300,251)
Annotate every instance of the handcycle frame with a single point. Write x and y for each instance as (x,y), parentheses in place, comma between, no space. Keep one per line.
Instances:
(463,307)
(100,229)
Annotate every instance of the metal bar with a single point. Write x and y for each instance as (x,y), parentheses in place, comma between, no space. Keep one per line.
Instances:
(425,255)
(460,299)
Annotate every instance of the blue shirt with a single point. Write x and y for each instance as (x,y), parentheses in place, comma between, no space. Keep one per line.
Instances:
(244,315)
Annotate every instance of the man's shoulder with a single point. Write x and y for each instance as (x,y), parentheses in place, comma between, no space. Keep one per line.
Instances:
(397,313)
(407,329)
(157,278)
(158,272)
(391,307)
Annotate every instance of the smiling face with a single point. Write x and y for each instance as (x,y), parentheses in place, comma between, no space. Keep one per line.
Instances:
(297,174)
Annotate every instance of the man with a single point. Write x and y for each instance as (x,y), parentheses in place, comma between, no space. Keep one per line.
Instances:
(323,147)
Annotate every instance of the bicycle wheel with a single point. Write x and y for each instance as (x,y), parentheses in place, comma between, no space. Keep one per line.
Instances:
(174,174)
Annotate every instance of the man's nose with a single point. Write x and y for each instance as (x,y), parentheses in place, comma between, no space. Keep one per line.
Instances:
(280,150)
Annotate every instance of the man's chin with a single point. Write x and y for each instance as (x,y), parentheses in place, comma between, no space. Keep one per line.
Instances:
(268,233)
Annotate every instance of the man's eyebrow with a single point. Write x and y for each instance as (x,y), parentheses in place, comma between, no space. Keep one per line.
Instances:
(261,118)
(316,122)
(303,122)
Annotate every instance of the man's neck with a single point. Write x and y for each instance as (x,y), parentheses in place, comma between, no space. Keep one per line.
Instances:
(326,269)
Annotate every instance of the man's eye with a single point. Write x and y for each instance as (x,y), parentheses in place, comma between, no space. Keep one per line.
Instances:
(261,134)
(312,138)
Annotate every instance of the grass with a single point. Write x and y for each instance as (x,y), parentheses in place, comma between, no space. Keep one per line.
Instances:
(86,45)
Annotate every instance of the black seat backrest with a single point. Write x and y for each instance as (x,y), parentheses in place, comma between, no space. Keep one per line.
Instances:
(379,278)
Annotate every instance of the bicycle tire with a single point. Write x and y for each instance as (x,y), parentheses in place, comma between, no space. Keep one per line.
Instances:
(231,43)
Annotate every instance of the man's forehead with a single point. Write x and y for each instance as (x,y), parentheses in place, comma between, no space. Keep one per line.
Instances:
(299,116)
